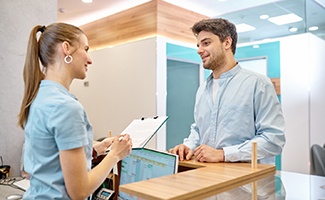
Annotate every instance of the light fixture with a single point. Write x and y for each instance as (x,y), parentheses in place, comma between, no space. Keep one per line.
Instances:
(293,29)
(313,28)
(264,17)
(285,19)
(256,46)
(87,1)
(244,28)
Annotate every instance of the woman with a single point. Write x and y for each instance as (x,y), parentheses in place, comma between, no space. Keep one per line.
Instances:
(58,134)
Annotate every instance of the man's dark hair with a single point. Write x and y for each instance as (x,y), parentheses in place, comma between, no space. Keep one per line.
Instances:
(220,27)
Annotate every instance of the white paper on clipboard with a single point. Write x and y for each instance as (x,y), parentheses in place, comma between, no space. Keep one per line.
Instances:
(142,130)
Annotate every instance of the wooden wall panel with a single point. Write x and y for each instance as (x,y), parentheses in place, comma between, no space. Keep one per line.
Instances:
(277,86)
(175,22)
(136,22)
(153,18)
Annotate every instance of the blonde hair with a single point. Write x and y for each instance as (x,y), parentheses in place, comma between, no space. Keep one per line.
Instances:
(44,50)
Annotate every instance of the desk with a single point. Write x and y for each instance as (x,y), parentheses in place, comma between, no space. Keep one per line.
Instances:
(197,180)
(281,185)
(229,181)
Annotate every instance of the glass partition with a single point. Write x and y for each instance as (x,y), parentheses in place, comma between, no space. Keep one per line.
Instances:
(278,19)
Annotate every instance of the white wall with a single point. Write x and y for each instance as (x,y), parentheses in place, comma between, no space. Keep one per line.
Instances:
(303,98)
(17,18)
(161,90)
(122,86)
(317,91)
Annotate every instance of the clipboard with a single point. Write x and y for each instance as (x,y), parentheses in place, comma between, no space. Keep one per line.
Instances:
(143,129)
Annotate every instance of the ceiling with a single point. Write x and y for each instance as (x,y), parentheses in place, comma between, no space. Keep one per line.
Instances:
(236,11)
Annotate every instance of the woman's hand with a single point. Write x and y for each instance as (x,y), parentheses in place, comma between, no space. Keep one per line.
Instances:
(121,146)
(101,147)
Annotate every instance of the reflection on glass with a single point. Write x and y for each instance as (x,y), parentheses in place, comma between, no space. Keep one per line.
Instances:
(269,188)
(296,17)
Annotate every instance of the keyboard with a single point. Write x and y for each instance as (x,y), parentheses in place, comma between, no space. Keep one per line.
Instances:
(22,184)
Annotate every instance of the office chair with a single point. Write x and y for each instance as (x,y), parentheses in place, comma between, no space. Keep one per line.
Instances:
(317,160)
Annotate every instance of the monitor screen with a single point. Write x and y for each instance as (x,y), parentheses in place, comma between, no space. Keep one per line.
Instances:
(144,164)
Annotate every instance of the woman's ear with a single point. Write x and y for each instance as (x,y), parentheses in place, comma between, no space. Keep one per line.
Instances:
(66,48)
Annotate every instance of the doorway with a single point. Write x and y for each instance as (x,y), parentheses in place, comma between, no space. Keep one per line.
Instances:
(183,79)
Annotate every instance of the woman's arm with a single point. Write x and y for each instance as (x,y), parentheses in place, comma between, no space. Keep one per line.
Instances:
(80,182)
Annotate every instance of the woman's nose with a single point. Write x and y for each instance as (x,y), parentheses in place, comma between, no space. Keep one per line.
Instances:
(89,61)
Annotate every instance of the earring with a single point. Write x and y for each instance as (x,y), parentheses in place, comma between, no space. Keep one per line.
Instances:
(68,59)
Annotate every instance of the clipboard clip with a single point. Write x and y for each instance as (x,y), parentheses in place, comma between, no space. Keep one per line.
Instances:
(155,117)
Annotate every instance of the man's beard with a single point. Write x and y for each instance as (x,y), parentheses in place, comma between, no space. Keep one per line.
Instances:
(216,63)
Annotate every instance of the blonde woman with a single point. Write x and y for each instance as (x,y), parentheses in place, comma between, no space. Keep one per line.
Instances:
(58,134)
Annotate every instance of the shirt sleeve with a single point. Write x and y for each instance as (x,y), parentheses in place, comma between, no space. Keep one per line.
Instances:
(67,123)
(193,139)
(269,125)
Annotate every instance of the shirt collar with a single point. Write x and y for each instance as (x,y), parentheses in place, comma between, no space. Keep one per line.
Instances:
(46,83)
(226,74)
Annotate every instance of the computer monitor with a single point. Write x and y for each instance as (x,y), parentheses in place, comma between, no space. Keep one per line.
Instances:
(143,164)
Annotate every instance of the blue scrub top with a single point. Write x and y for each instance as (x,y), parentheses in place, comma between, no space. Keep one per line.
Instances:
(56,121)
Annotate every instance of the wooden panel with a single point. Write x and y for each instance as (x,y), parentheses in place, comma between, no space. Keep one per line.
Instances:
(175,22)
(202,182)
(147,20)
(136,22)
(276,83)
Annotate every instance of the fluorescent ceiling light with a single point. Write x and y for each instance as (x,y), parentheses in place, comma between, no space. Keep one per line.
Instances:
(285,19)
(87,1)
(293,29)
(244,28)
(264,17)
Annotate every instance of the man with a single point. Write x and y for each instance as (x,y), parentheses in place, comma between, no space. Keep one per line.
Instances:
(233,107)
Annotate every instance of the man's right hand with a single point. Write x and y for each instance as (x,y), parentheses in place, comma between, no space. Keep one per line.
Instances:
(182,151)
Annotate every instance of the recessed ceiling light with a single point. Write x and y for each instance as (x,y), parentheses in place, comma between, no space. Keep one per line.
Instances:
(264,17)
(244,28)
(293,29)
(87,1)
(285,19)
(313,28)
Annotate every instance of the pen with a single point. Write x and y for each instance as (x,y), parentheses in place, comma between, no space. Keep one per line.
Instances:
(120,138)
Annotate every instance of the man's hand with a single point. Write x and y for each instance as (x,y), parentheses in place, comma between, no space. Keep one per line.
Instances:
(182,151)
(205,153)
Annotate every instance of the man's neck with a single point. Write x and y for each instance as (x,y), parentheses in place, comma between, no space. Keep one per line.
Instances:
(217,73)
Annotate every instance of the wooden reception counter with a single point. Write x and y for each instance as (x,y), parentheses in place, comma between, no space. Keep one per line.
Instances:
(197,180)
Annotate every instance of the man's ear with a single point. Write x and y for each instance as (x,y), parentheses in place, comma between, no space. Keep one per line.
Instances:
(228,42)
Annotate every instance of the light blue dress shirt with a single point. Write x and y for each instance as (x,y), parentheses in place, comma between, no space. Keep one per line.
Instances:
(246,109)
(56,121)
